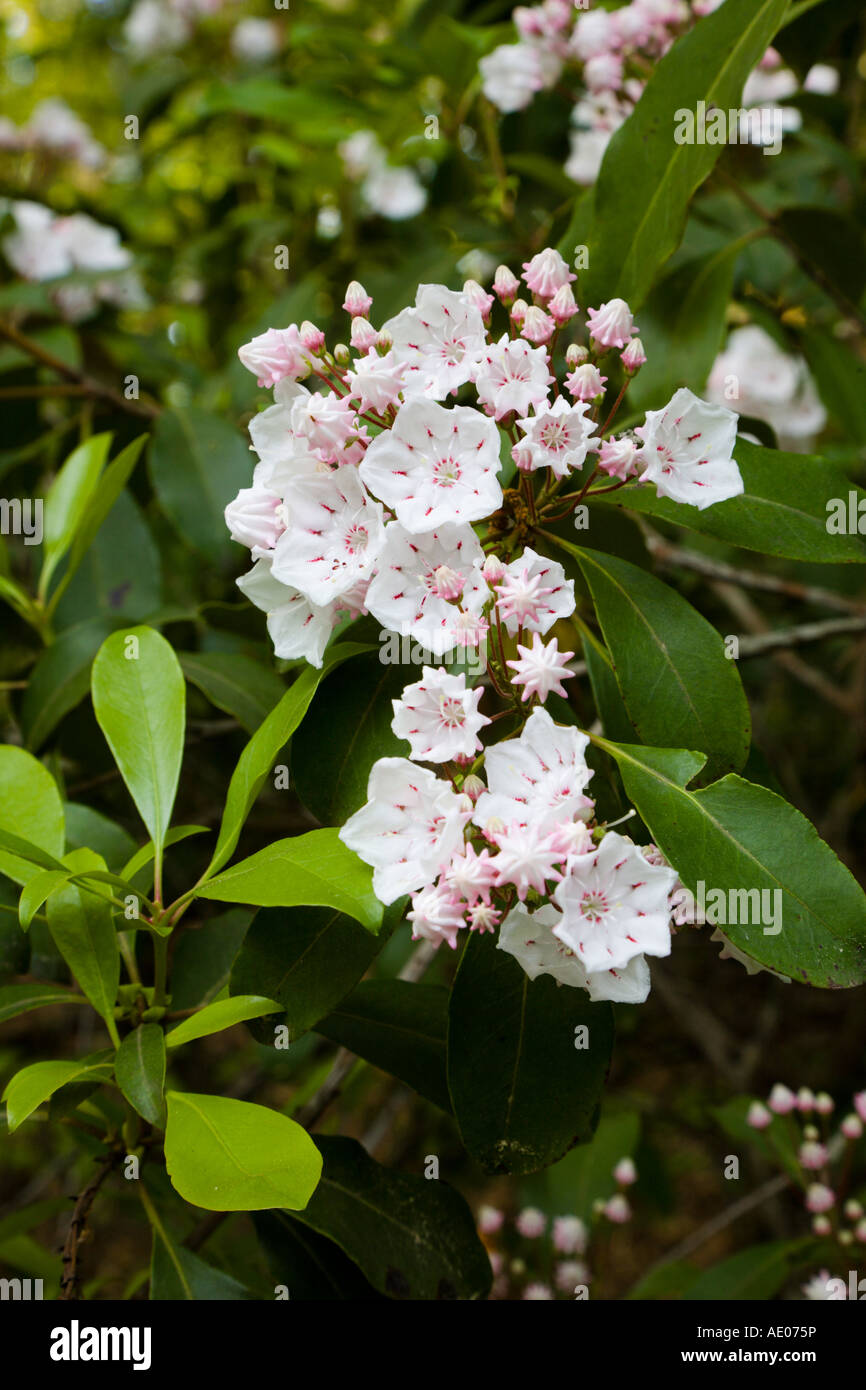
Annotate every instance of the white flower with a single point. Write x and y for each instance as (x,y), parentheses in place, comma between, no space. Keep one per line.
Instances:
(527,858)
(334,535)
(56,126)
(439,340)
(33,249)
(536,778)
(512,376)
(297,628)
(361,152)
(688,450)
(439,717)
(406,596)
(376,380)
(614,905)
(588,148)
(409,828)
(511,75)
(594,33)
(282,453)
(254,518)
(824,1288)
(394,192)
(768,384)
(821,78)
(152,27)
(557,436)
(541,669)
(530,938)
(328,426)
(435,466)
(534,593)
(255,40)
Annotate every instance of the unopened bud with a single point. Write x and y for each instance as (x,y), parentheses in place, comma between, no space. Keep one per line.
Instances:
(576,354)
(562,306)
(633,356)
(473,786)
(505,285)
(312,337)
(357,300)
(341,354)
(363,335)
(518,310)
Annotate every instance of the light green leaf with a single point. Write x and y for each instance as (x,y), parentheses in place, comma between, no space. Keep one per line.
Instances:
(20,999)
(83,930)
(67,502)
(230,1155)
(312,870)
(99,505)
(31,810)
(225,1013)
(31,1087)
(139,702)
(37,889)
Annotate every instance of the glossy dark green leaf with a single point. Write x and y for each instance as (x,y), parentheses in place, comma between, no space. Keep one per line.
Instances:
(242,687)
(400,1027)
(413,1237)
(756,1273)
(140,1071)
(198,462)
(739,838)
(307,1265)
(203,957)
(307,958)
(20,999)
(83,929)
(522,1090)
(60,679)
(178,1275)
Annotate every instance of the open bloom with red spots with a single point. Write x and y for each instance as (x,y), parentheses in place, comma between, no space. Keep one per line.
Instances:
(688,451)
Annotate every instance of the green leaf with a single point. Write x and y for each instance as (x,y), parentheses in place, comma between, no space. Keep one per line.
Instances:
(678,686)
(139,1068)
(309,1266)
(682,326)
(783,510)
(585,1175)
(225,1013)
(412,1238)
(244,688)
(37,890)
(60,679)
(399,1027)
(348,728)
(139,703)
(757,1273)
(144,855)
(120,576)
(31,1087)
(307,959)
(257,759)
(83,931)
(99,505)
(522,1090)
(176,1275)
(312,870)
(840,376)
(647,180)
(20,999)
(230,1155)
(86,827)
(67,502)
(203,957)
(31,810)
(775,1142)
(197,463)
(829,239)
(739,838)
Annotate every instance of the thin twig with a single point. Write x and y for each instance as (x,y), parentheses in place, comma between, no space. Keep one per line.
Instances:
(95,389)
(78,1227)
(672,557)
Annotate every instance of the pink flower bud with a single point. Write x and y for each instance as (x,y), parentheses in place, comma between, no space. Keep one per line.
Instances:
(813,1156)
(477,295)
(860,1105)
(853,1210)
(518,310)
(562,306)
(522,456)
(505,285)
(363,335)
(531,1223)
(625,1172)
(851,1127)
(782,1100)
(569,1235)
(860,1232)
(805,1100)
(611,325)
(845,1238)
(357,300)
(618,1210)
(759,1116)
(492,829)
(537,326)
(586,383)
(546,273)
(819,1198)
(341,354)
(824,1104)
(312,338)
(618,458)
(821,1226)
(448,583)
(490,1220)
(493,569)
(576,354)
(633,356)
(473,787)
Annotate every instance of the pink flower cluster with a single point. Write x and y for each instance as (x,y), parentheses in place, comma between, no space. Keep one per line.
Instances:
(365,499)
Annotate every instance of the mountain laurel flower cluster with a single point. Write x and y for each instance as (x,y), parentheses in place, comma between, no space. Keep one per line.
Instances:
(44,247)
(407,487)
(609,53)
